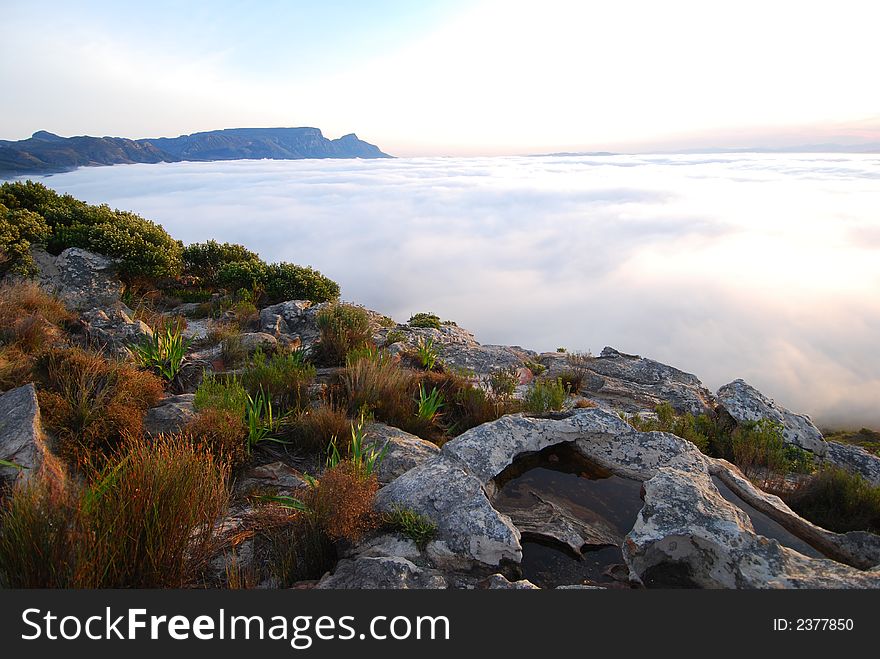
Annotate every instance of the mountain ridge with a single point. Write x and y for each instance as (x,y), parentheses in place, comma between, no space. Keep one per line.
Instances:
(46,152)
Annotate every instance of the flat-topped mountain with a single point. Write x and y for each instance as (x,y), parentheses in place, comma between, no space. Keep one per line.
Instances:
(46,152)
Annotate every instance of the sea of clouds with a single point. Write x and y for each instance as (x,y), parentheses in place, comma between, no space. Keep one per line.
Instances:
(763,267)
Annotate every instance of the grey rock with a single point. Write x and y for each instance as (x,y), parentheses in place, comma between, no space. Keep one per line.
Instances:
(81,279)
(381,572)
(745,403)
(500,582)
(854,459)
(631,383)
(469,529)
(21,436)
(403,451)
(294,317)
(386,544)
(172,413)
(275,475)
(857,548)
(112,328)
(489,448)
(196,330)
(688,534)
(253,341)
(551,520)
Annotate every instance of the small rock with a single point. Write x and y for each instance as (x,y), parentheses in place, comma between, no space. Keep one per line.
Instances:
(170,415)
(382,572)
(275,475)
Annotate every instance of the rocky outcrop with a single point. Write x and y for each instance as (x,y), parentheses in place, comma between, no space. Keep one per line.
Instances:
(745,403)
(172,413)
(82,280)
(459,349)
(253,341)
(630,383)
(854,459)
(21,435)
(381,572)
(292,318)
(113,329)
(687,534)
(402,450)
(500,582)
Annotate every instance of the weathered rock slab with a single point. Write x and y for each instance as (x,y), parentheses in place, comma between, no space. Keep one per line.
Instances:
(172,413)
(745,403)
(854,459)
(381,572)
(81,279)
(21,435)
(403,451)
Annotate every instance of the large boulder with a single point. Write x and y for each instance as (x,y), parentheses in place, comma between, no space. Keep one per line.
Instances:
(631,383)
(688,535)
(745,403)
(854,459)
(403,451)
(458,348)
(21,435)
(292,318)
(469,530)
(81,279)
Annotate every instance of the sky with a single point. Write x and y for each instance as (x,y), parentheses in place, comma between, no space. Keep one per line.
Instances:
(762,267)
(450,78)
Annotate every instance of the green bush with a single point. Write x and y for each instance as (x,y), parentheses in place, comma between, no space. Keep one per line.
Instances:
(286,377)
(685,426)
(19,229)
(838,501)
(343,328)
(425,320)
(204,260)
(143,248)
(278,281)
(221,394)
(544,396)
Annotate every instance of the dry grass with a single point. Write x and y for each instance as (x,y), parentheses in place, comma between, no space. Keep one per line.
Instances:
(92,403)
(344,328)
(144,520)
(313,429)
(381,387)
(221,433)
(342,502)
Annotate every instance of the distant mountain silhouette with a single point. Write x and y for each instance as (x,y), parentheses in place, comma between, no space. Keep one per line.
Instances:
(46,152)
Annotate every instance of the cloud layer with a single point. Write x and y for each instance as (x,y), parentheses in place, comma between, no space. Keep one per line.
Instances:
(762,267)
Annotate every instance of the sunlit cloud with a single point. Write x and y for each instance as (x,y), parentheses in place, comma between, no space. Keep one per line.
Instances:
(761,267)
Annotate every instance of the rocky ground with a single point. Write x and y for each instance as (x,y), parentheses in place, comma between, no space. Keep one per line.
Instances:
(686,533)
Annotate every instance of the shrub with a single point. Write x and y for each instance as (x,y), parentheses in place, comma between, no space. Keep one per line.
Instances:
(429,404)
(343,328)
(146,520)
(684,426)
(261,420)
(30,319)
(394,336)
(503,381)
(426,320)
(535,367)
(19,229)
(341,502)
(36,547)
(313,429)
(226,395)
(838,501)
(381,387)
(222,433)
(427,353)
(364,459)
(205,260)
(544,396)
(418,528)
(278,281)
(576,373)
(91,403)
(299,549)
(143,248)
(162,353)
(758,448)
(286,377)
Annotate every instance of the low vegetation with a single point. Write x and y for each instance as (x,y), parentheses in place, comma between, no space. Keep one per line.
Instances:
(344,328)
(838,500)
(545,396)
(425,320)
(418,528)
